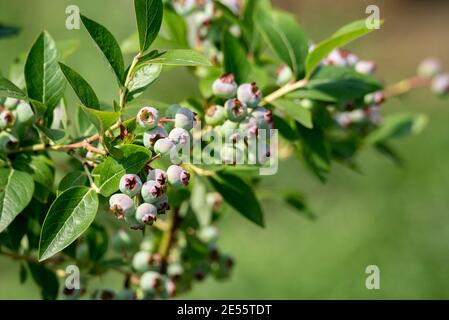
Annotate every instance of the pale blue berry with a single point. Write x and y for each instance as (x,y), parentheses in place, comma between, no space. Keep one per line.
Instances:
(429,67)
(284,75)
(215,115)
(365,67)
(162,204)
(151,191)
(24,113)
(180,136)
(228,127)
(150,281)
(158,175)
(440,84)
(121,205)
(236,110)
(249,94)
(151,136)
(148,117)
(130,184)
(10,102)
(8,142)
(146,213)
(184,118)
(177,176)
(225,86)
(164,146)
(141,261)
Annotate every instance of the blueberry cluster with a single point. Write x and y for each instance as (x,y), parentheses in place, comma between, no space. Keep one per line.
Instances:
(431,68)
(185,265)
(15,118)
(139,203)
(236,115)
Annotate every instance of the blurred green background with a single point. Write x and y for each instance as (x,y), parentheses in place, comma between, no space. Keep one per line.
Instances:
(396,218)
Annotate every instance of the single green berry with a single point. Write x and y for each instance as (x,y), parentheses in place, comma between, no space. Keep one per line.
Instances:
(365,67)
(146,213)
(121,242)
(225,86)
(24,113)
(236,110)
(121,205)
(284,75)
(150,137)
(249,94)
(141,261)
(148,117)
(177,176)
(228,127)
(130,184)
(8,141)
(10,102)
(215,115)
(440,84)
(149,282)
(151,191)
(162,204)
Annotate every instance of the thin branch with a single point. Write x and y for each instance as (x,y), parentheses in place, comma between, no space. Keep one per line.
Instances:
(168,240)
(406,85)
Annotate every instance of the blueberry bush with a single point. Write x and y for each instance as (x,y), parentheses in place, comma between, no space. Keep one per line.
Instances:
(136,198)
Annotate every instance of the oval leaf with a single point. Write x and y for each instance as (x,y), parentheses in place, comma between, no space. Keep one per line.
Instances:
(101,119)
(149,15)
(296,111)
(181,57)
(44,79)
(10,90)
(107,44)
(68,217)
(235,59)
(16,191)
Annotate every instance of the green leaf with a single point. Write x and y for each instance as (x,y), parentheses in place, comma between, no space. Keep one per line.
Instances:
(342,83)
(315,150)
(286,38)
(44,79)
(43,176)
(199,203)
(10,90)
(107,44)
(343,36)
(235,59)
(397,126)
(46,279)
(73,179)
(108,173)
(102,120)
(98,240)
(53,134)
(142,78)
(181,57)
(295,110)
(311,94)
(82,89)
(297,202)
(239,195)
(16,191)
(149,15)
(68,217)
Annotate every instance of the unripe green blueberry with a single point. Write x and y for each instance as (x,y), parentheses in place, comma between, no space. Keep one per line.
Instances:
(180,136)
(440,84)
(249,94)
(209,234)
(177,176)
(225,86)
(151,191)
(429,67)
(263,117)
(162,204)
(377,97)
(158,175)
(184,118)
(168,289)
(228,127)
(171,111)
(284,75)
(150,137)
(150,281)
(133,223)
(365,67)
(215,115)
(164,146)
(24,113)
(230,155)
(7,119)
(147,213)
(224,267)
(8,142)
(121,205)
(70,294)
(236,110)
(141,261)
(130,184)
(175,270)
(147,245)
(148,117)
(121,241)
